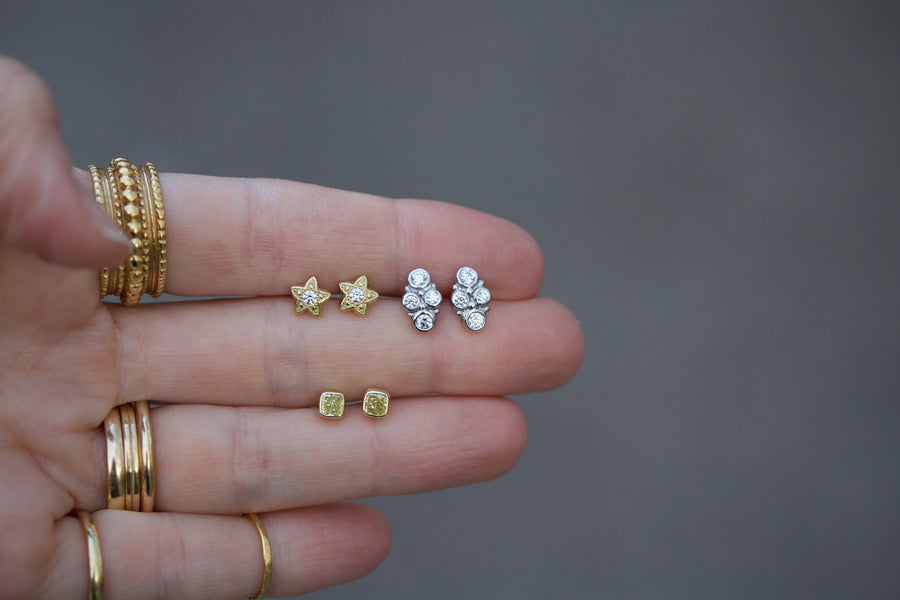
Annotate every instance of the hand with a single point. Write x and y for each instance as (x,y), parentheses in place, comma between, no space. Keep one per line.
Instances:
(241,377)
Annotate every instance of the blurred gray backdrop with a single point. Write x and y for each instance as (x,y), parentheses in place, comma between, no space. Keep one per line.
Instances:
(715,186)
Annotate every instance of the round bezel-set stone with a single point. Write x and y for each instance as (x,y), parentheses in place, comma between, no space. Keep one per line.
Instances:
(475,320)
(423,321)
(467,276)
(460,299)
(356,295)
(432,297)
(482,295)
(410,301)
(419,278)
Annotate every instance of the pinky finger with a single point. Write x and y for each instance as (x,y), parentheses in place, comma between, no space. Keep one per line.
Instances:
(170,555)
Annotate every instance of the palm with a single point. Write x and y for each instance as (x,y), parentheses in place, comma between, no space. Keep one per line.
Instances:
(58,378)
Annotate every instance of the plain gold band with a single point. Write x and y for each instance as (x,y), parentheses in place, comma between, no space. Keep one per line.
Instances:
(95,559)
(115,460)
(132,458)
(267,557)
(147,468)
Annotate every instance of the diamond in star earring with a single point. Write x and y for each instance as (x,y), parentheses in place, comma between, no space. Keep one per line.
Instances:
(357,295)
(470,298)
(309,297)
(421,299)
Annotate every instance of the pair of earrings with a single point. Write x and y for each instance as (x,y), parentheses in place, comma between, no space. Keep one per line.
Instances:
(470,298)
(374,404)
(357,296)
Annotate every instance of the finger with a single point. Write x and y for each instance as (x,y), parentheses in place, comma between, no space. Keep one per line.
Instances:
(155,555)
(241,237)
(222,460)
(258,352)
(42,207)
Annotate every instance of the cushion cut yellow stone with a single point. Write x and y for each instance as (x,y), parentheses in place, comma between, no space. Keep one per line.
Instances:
(375,403)
(331,405)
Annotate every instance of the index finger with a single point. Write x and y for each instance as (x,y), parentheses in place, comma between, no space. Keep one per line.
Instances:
(250,237)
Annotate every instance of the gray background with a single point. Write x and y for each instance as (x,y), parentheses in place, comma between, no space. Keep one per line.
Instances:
(715,186)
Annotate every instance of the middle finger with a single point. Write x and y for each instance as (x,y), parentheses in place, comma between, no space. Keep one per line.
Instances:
(258,352)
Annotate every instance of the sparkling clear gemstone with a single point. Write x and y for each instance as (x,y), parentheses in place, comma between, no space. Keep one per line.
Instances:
(475,321)
(460,299)
(419,278)
(411,301)
(467,276)
(309,298)
(424,322)
(482,295)
(432,297)
(356,295)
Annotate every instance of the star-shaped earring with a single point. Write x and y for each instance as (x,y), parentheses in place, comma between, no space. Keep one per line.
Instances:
(309,297)
(357,295)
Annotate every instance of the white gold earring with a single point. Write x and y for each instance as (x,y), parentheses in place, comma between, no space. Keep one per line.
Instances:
(421,299)
(470,298)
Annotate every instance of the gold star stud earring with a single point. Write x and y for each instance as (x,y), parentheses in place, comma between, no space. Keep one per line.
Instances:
(309,297)
(357,295)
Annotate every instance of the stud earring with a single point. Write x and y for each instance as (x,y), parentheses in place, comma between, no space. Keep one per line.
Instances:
(309,297)
(357,295)
(375,403)
(421,299)
(331,405)
(470,298)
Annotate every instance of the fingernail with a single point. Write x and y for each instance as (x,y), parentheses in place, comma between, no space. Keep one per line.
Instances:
(105,224)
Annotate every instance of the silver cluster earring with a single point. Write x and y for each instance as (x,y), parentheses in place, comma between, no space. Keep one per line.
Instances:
(421,299)
(470,298)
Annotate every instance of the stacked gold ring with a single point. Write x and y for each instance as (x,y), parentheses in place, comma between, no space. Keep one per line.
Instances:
(132,197)
(129,458)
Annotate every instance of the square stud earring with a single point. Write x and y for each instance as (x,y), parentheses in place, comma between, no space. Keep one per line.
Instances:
(331,405)
(375,403)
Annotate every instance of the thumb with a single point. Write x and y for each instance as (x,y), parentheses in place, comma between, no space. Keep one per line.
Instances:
(43,209)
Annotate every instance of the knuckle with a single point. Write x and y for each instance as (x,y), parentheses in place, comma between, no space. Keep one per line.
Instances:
(250,460)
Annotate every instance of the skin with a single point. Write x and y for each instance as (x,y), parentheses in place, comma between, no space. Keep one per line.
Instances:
(240,378)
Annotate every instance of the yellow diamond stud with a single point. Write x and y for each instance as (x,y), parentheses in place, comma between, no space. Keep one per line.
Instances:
(331,405)
(375,403)
(357,295)
(309,297)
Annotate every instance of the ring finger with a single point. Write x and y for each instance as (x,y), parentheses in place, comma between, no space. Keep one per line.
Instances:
(229,460)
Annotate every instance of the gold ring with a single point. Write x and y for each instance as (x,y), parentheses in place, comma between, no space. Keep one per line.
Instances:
(115,460)
(132,458)
(131,478)
(147,468)
(132,197)
(95,559)
(158,250)
(267,557)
